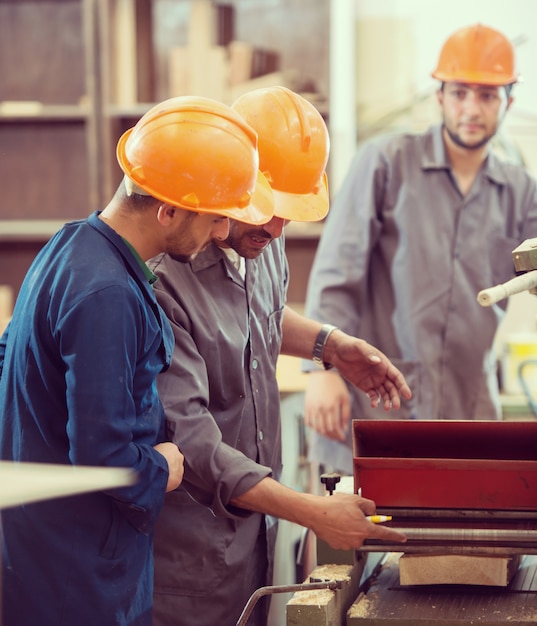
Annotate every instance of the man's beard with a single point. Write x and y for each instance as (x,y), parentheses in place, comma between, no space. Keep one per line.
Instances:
(459,142)
(182,258)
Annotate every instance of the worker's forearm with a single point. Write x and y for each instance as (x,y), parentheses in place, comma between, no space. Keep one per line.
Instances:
(298,334)
(272,498)
(340,520)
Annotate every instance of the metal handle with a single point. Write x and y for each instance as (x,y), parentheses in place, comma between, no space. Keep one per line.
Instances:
(265,591)
(524,282)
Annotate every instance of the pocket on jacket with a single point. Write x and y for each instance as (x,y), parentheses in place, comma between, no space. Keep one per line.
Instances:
(118,528)
(413,373)
(189,547)
(501,259)
(274,332)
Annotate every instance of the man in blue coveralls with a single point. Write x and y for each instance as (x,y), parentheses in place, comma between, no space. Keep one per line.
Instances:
(78,364)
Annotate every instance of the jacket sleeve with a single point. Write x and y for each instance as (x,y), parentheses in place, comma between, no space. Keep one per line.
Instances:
(529,200)
(215,472)
(338,280)
(3,343)
(103,339)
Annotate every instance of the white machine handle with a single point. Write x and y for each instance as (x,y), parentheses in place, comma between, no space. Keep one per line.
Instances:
(524,282)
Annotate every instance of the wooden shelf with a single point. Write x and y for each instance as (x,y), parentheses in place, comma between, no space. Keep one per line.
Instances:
(39,112)
(134,111)
(48,120)
(77,73)
(29,230)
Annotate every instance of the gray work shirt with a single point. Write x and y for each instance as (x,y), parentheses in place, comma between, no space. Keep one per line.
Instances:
(222,407)
(402,257)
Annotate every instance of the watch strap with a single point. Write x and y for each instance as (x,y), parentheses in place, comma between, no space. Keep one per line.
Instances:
(318,346)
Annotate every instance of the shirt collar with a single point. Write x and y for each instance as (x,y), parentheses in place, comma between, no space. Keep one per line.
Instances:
(151,278)
(213,255)
(210,256)
(434,157)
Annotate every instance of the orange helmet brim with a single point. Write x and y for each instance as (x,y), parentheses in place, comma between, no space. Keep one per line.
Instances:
(306,207)
(260,210)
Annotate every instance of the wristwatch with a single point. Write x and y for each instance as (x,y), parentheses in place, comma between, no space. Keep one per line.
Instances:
(318,346)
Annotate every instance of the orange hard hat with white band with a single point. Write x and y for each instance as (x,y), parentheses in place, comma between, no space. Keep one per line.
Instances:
(477,55)
(200,155)
(293,146)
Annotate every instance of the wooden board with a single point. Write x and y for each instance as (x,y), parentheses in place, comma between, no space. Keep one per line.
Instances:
(324,607)
(387,603)
(458,569)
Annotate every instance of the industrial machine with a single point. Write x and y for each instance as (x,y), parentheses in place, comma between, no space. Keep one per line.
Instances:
(525,262)
(465,495)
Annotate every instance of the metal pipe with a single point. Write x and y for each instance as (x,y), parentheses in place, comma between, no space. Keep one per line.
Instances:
(265,591)
(495,535)
(459,540)
(488,550)
(524,282)
(459,514)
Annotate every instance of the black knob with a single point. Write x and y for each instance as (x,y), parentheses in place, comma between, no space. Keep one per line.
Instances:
(330,481)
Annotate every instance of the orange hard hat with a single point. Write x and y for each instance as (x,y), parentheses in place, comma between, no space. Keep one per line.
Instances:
(293,145)
(477,54)
(200,155)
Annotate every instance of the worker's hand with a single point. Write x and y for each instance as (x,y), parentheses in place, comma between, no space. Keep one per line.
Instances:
(327,404)
(367,369)
(175,461)
(340,521)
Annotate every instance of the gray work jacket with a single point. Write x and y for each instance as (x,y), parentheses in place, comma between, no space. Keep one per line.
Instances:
(402,257)
(221,401)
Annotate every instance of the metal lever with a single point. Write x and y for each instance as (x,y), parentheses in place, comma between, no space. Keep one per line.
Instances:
(524,282)
(265,591)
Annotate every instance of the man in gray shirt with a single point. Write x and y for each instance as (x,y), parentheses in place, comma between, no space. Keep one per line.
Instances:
(214,541)
(422,223)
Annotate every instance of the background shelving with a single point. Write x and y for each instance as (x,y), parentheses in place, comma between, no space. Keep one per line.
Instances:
(75,74)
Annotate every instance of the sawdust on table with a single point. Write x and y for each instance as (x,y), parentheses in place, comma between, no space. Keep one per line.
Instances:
(313,597)
(322,596)
(332,572)
(360,609)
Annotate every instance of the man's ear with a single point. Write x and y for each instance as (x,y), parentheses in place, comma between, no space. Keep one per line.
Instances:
(440,96)
(166,214)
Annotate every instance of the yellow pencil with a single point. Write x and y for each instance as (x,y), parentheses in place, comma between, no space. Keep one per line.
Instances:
(378,519)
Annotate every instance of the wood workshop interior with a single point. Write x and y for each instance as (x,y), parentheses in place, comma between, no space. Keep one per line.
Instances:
(77,74)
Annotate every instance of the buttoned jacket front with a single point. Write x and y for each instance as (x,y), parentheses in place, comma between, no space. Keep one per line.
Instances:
(402,258)
(221,401)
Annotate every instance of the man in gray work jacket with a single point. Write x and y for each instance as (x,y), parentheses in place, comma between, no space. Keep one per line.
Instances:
(214,540)
(422,223)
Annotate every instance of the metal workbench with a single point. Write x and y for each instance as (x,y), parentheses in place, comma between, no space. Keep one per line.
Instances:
(380,599)
(384,602)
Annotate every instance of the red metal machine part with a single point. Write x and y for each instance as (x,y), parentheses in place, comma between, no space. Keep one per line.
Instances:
(459,485)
